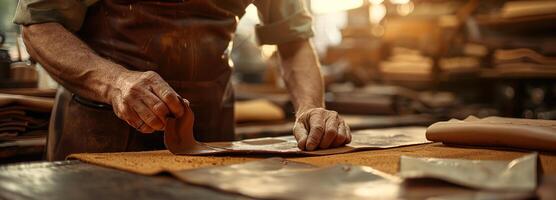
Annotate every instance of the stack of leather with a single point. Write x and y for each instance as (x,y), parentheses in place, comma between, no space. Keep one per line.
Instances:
(458,66)
(407,64)
(24,123)
(520,9)
(524,62)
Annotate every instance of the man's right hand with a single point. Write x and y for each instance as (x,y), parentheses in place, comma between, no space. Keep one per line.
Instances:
(144,100)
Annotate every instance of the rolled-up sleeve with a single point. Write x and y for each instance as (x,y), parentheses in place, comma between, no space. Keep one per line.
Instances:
(283,21)
(69,13)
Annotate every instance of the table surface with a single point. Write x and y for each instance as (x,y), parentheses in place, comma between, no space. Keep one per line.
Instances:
(78,180)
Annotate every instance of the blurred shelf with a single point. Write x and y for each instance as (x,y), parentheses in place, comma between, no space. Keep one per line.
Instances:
(518,24)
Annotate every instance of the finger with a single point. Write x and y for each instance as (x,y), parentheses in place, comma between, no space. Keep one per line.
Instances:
(124,112)
(169,97)
(300,134)
(316,131)
(156,105)
(330,130)
(348,133)
(341,138)
(144,128)
(138,123)
(147,116)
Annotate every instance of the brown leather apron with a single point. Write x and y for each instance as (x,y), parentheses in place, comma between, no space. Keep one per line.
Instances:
(186,42)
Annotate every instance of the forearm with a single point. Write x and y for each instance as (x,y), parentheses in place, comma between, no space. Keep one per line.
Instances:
(71,62)
(301,73)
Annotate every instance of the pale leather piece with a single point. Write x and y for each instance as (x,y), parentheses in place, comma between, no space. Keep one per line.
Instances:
(386,160)
(496,131)
(257,110)
(277,178)
(518,174)
(180,140)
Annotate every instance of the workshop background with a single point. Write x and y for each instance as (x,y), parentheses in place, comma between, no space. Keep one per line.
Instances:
(386,63)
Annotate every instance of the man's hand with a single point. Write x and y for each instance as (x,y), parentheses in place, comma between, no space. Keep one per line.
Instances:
(144,100)
(319,128)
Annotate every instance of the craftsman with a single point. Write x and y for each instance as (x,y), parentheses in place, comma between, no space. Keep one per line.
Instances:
(126,64)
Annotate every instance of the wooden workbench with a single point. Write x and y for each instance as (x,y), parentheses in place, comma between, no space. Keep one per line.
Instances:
(79,180)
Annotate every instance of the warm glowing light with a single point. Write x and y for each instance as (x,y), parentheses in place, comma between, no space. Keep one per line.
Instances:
(268,50)
(400,1)
(376,2)
(377,13)
(331,6)
(405,9)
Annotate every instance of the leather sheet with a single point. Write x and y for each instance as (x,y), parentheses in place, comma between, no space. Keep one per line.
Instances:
(386,160)
(496,131)
(276,178)
(180,140)
(519,174)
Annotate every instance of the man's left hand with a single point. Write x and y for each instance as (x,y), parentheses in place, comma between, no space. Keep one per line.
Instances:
(319,128)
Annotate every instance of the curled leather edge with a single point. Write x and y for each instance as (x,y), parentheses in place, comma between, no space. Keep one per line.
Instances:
(179,137)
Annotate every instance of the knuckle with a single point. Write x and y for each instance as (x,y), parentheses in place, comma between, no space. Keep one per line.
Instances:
(317,128)
(160,109)
(331,133)
(340,137)
(135,89)
(167,95)
(150,74)
(314,138)
(150,119)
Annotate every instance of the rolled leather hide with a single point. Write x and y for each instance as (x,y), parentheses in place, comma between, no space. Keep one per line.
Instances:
(496,132)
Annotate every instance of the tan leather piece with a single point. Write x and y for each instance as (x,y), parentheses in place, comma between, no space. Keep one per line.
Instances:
(496,131)
(386,160)
(179,139)
(35,103)
(257,110)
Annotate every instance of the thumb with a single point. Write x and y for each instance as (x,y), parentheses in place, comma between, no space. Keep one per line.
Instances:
(300,133)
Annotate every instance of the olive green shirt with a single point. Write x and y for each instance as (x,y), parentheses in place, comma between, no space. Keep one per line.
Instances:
(282,20)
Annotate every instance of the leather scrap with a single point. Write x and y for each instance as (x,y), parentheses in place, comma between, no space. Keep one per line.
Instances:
(496,131)
(277,178)
(514,175)
(179,139)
